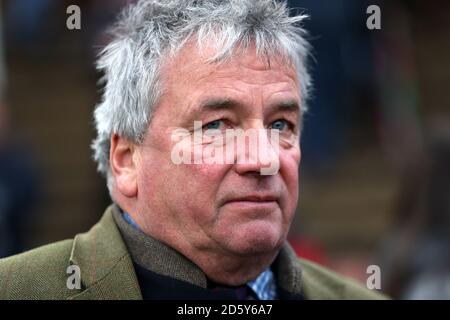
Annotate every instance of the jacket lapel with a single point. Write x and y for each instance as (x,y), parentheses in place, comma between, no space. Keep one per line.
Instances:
(107,270)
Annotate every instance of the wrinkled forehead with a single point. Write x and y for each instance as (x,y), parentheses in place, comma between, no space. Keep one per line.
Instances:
(204,59)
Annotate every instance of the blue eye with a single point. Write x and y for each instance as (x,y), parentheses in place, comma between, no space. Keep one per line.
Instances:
(214,125)
(279,125)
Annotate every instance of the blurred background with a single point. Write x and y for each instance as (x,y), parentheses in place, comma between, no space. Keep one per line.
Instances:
(375,174)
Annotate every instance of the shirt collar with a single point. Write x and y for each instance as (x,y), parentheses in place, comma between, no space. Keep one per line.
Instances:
(264,286)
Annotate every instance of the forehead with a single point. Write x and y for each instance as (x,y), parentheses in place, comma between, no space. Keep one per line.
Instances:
(193,66)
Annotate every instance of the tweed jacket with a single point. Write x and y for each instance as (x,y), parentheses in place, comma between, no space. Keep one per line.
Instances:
(107,270)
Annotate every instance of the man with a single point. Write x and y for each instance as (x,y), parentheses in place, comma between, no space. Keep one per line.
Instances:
(199,138)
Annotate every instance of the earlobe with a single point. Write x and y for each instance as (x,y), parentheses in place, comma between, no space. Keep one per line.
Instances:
(123,165)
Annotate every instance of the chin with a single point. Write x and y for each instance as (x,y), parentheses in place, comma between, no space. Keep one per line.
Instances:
(256,237)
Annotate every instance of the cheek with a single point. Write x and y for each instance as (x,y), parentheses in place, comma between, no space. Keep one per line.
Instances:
(192,189)
(201,183)
(196,200)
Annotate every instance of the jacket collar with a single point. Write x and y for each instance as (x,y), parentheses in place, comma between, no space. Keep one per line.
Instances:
(288,270)
(157,257)
(107,270)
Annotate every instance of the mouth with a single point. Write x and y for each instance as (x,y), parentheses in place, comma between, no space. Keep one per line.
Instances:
(252,207)
(259,200)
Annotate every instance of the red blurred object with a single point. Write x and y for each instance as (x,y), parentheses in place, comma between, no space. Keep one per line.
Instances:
(309,249)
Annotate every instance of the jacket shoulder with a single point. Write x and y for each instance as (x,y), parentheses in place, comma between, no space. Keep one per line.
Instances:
(321,283)
(37,274)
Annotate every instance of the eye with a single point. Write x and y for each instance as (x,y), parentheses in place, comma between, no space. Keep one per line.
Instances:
(213,125)
(280,125)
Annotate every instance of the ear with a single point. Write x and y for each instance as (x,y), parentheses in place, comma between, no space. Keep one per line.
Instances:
(123,165)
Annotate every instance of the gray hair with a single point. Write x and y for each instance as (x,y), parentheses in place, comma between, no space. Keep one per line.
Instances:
(150,31)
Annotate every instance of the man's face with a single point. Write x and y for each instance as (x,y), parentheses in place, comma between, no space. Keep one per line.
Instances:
(228,207)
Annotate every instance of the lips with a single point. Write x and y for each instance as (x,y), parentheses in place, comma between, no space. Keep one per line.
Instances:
(253,199)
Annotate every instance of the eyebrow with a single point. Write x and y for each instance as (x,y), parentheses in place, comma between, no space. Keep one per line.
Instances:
(227,103)
(219,104)
(285,105)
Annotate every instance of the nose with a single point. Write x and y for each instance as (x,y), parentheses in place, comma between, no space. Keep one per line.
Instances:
(257,152)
